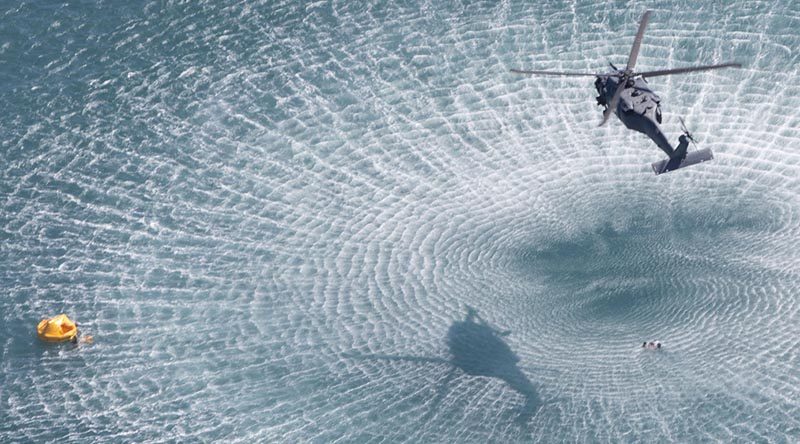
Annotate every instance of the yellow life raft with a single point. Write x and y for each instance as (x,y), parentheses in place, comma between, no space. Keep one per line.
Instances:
(57,329)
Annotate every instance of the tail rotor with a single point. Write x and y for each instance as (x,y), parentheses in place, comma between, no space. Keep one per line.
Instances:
(686,132)
(681,157)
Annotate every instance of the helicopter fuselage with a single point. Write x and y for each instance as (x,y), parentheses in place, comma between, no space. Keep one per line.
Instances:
(625,93)
(639,107)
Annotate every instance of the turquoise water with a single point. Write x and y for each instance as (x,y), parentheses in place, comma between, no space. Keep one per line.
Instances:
(336,222)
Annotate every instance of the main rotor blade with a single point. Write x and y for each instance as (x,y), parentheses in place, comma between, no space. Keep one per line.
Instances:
(556,73)
(666,72)
(612,107)
(638,41)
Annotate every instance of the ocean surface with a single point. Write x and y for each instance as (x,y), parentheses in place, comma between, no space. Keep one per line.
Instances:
(349,222)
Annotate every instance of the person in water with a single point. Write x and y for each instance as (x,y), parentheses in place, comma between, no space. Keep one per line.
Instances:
(83,339)
(652,345)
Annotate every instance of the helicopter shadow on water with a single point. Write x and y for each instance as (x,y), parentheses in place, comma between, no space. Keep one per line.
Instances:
(477,349)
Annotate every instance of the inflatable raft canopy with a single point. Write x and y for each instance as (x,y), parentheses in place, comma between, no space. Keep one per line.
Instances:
(57,329)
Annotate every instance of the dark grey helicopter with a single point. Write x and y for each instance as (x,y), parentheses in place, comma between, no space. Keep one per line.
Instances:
(638,107)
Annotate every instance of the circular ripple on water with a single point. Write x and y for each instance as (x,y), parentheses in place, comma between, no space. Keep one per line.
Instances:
(349,222)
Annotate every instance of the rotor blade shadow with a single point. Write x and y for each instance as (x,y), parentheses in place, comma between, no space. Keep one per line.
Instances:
(406,358)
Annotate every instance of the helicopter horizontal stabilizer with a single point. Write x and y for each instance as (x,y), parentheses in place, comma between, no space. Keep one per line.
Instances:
(692,158)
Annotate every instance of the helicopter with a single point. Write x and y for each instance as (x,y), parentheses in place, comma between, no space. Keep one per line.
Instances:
(626,93)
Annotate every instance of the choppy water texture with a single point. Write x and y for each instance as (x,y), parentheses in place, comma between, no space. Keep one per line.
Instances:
(334,222)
